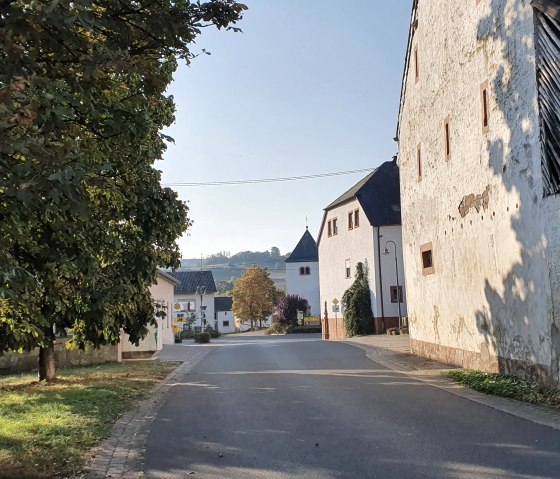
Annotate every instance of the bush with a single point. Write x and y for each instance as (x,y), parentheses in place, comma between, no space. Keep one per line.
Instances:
(187,334)
(214,333)
(276,328)
(202,337)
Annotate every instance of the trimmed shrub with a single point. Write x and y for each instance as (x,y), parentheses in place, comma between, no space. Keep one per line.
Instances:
(202,337)
(276,328)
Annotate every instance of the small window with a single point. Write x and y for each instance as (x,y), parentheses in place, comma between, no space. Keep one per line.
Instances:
(301,271)
(329,227)
(347,268)
(396,294)
(351,220)
(334,227)
(447,140)
(304,271)
(307,271)
(427,259)
(485,106)
(356,218)
(225,324)
(419,161)
(416,66)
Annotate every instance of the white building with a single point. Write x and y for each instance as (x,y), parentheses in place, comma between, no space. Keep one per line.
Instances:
(302,272)
(162,293)
(358,227)
(194,298)
(479,151)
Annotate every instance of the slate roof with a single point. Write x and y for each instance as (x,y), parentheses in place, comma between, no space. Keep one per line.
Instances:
(378,194)
(190,280)
(223,303)
(305,251)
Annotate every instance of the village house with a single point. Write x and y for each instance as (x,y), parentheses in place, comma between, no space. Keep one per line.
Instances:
(194,298)
(360,226)
(479,152)
(302,272)
(163,294)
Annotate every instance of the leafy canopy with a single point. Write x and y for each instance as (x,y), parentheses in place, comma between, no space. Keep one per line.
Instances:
(84,220)
(253,295)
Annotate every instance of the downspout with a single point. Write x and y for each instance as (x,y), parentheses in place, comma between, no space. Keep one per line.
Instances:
(380,278)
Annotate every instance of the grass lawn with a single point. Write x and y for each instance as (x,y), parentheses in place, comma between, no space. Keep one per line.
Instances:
(506,386)
(47,430)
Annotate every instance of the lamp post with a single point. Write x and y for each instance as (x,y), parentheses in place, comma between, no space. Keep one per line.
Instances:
(386,252)
(201,290)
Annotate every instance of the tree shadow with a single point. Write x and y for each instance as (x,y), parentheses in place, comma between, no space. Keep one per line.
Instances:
(520,323)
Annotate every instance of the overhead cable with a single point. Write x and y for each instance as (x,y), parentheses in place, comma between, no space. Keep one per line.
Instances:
(269,180)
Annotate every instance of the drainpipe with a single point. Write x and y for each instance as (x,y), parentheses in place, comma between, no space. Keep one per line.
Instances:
(380,277)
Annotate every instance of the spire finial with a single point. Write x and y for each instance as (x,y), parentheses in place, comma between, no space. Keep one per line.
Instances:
(306,224)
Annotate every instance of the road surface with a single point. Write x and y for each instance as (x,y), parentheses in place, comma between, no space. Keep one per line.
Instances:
(296,406)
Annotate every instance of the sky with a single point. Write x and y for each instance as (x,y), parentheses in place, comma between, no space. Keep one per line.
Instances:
(308,87)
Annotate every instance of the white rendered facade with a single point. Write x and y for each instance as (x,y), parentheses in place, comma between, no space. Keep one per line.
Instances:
(492,300)
(303,279)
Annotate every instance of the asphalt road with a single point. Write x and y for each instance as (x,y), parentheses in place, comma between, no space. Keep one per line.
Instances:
(280,407)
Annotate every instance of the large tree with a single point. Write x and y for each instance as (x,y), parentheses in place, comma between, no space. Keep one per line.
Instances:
(254,296)
(84,221)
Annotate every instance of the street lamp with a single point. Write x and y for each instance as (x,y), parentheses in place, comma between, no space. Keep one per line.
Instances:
(201,290)
(386,252)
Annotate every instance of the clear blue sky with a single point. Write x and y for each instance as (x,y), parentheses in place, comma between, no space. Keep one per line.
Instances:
(310,86)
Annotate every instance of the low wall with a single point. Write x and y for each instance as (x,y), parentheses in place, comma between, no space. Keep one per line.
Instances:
(23,362)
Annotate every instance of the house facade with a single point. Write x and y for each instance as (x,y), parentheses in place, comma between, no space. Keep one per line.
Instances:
(302,272)
(358,227)
(194,298)
(479,153)
(163,294)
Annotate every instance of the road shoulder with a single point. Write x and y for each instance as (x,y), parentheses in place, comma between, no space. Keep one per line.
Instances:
(394,353)
(122,455)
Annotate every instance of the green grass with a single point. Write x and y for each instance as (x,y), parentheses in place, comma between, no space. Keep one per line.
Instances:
(506,386)
(47,430)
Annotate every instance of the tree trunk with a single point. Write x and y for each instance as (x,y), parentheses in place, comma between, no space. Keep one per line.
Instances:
(47,366)
(260,323)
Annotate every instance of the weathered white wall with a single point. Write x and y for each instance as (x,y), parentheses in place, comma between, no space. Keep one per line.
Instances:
(491,293)
(355,244)
(307,286)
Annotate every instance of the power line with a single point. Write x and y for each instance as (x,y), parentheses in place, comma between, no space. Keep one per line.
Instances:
(269,180)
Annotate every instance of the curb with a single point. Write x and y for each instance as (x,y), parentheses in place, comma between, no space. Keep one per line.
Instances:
(122,454)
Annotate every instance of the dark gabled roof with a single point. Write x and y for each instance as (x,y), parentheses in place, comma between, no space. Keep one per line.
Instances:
(223,303)
(167,276)
(191,280)
(378,194)
(305,251)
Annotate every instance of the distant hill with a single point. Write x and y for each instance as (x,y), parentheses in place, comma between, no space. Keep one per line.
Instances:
(226,267)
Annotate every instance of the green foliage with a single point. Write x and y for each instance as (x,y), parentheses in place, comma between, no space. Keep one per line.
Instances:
(356,305)
(49,430)
(202,337)
(506,386)
(84,220)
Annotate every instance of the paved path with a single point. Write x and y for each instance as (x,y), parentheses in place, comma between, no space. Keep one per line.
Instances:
(279,407)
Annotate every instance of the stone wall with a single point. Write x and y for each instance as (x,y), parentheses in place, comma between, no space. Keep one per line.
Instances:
(16,362)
